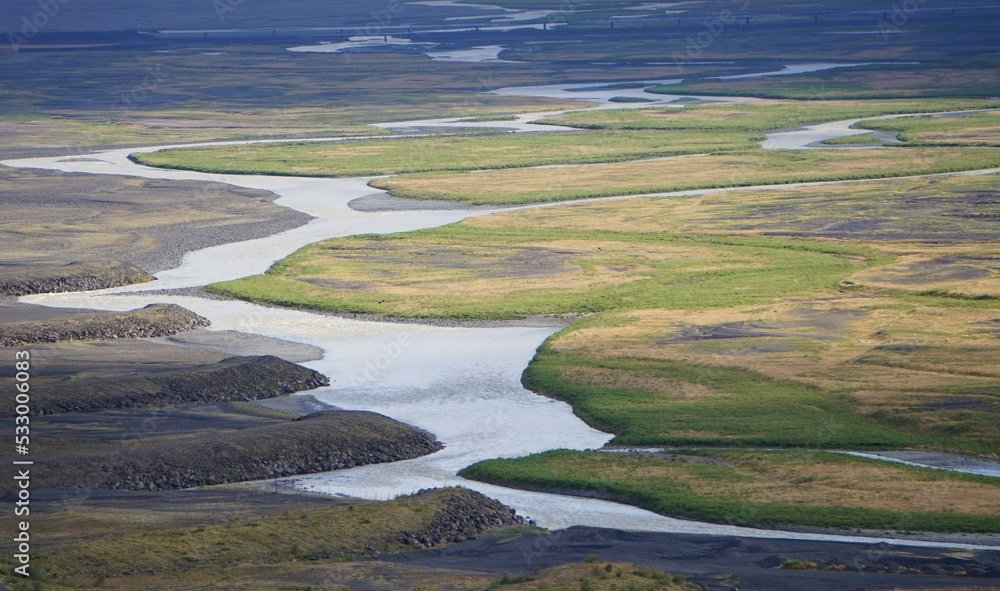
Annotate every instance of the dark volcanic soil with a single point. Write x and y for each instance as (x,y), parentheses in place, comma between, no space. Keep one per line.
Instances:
(323,441)
(751,564)
(236,378)
(154,320)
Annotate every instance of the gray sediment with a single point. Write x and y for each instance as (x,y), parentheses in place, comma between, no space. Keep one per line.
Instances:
(78,276)
(155,320)
(232,342)
(233,379)
(383,202)
(323,441)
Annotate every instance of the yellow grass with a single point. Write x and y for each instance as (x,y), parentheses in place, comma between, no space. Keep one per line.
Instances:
(902,359)
(870,485)
(984,135)
(822,353)
(417,269)
(970,269)
(783,210)
(667,174)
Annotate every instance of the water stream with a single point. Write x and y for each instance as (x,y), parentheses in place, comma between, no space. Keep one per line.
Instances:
(460,383)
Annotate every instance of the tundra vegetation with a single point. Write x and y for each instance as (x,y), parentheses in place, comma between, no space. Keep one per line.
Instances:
(839,316)
(799,319)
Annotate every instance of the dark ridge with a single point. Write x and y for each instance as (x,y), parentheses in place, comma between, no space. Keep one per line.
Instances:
(233,379)
(155,320)
(323,441)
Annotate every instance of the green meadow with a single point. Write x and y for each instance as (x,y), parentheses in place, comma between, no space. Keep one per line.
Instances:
(757,116)
(712,322)
(799,319)
(971,129)
(819,489)
(746,335)
(457,271)
(448,153)
(729,407)
(733,169)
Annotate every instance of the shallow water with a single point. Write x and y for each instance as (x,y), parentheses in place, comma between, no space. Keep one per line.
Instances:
(488,53)
(810,137)
(795,69)
(463,384)
(593,92)
(358,42)
(938,461)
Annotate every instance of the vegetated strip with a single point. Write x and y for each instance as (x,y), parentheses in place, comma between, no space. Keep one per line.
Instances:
(757,116)
(375,157)
(974,129)
(852,140)
(739,407)
(714,491)
(874,82)
(761,269)
(249,532)
(759,167)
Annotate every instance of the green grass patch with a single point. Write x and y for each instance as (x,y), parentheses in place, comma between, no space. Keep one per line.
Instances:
(756,116)
(443,153)
(161,541)
(415,274)
(488,118)
(818,489)
(952,209)
(974,129)
(732,406)
(758,167)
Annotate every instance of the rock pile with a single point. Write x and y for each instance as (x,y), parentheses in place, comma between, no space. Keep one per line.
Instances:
(466,514)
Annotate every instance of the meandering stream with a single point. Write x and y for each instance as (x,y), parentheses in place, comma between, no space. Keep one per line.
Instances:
(461,383)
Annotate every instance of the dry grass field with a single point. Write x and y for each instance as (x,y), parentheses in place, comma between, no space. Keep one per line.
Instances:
(529,185)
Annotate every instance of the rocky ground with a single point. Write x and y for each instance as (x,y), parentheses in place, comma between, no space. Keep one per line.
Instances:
(178,459)
(155,320)
(234,378)
(149,399)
